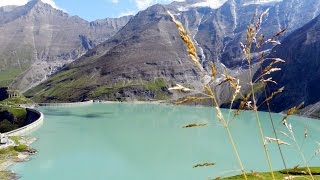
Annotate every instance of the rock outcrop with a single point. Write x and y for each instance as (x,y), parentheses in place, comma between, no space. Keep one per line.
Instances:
(300,74)
(37,40)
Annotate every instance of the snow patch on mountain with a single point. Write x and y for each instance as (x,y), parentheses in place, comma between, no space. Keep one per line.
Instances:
(210,3)
(249,2)
(214,4)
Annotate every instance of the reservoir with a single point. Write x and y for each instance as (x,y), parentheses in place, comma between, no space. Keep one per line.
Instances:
(121,141)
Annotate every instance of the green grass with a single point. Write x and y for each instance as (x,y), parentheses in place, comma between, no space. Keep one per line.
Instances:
(13,64)
(73,88)
(11,153)
(155,85)
(6,126)
(15,139)
(18,112)
(7,153)
(279,175)
(6,175)
(16,100)
(56,85)
(302,171)
(18,116)
(69,85)
(110,90)
(21,148)
(62,75)
(61,89)
(8,75)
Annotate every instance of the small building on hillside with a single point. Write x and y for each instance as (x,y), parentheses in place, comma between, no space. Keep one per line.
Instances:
(3,139)
(6,92)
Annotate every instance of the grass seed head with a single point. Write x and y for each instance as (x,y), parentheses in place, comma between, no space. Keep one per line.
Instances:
(191,48)
(195,125)
(191,99)
(206,164)
(181,88)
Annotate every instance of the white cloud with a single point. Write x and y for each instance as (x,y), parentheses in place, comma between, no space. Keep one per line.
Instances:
(13,2)
(143,4)
(209,3)
(52,3)
(23,2)
(115,1)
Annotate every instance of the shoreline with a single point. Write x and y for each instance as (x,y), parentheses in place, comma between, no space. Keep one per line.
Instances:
(25,156)
(19,150)
(136,102)
(154,102)
(20,157)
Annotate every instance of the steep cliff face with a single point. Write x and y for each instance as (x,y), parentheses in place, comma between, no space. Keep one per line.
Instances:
(300,75)
(37,39)
(149,48)
(219,30)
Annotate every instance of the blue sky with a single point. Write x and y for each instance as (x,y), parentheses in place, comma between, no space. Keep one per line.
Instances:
(95,9)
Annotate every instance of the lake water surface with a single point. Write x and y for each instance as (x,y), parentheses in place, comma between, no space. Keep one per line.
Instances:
(147,142)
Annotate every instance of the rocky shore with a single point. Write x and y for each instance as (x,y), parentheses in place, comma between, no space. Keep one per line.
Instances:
(19,152)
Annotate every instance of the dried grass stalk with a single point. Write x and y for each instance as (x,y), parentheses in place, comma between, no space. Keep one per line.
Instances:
(204,164)
(179,87)
(213,71)
(270,69)
(192,99)
(192,51)
(257,175)
(305,133)
(280,33)
(195,125)
(272,140)
(280,90)
(290,112)
(228,78)
(289,177)
(206,80)
(269,80)
(243,103)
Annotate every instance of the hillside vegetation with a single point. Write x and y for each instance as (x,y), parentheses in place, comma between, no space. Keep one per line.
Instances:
(12,116)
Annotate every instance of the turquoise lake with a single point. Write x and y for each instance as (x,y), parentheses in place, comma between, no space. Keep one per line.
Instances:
(147,142)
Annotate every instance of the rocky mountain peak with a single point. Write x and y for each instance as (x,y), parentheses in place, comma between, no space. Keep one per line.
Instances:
(38,39)
(157,9)
(37,4)
(39,7)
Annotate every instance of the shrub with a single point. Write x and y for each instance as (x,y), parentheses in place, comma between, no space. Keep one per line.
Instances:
(21,148)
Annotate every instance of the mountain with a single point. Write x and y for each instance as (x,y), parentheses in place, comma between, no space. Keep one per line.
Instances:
(219,31)
(37,39)
(148,50)
(300,74)
(140,61)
